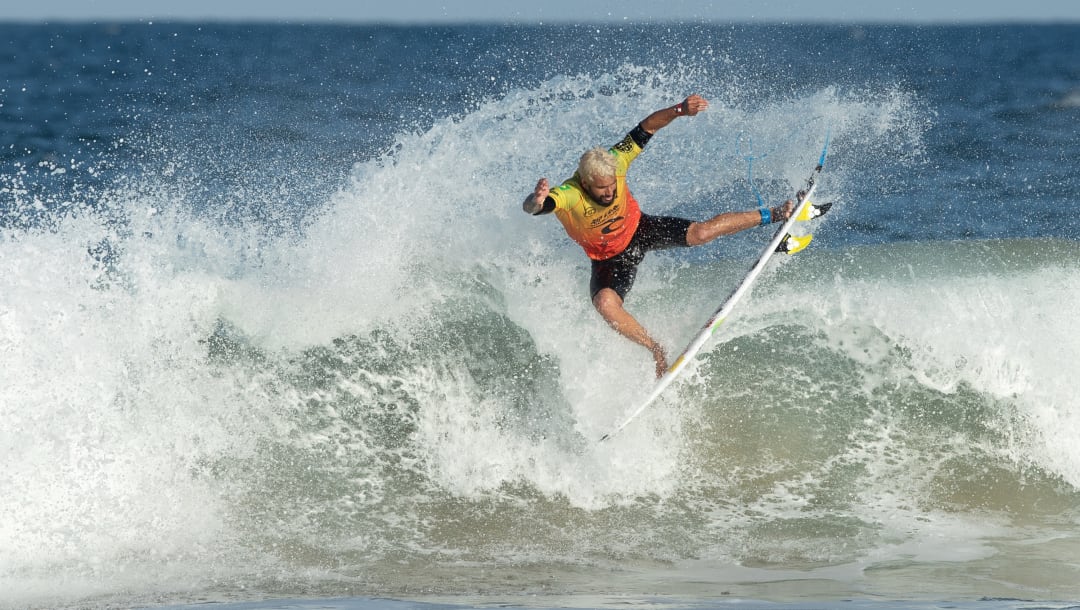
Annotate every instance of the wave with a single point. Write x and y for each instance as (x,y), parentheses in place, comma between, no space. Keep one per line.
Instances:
(413,374)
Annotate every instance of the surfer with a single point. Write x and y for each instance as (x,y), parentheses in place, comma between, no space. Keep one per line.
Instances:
(598,212)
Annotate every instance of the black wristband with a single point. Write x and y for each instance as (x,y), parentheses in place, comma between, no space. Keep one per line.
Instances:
(640,136)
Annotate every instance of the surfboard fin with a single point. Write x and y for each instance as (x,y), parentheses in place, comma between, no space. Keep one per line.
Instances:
(793,243)
(812,211)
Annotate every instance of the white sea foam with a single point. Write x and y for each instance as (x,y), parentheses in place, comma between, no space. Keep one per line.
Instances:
(131,444)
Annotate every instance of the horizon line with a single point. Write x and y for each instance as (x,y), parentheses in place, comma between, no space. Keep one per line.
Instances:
(145,20)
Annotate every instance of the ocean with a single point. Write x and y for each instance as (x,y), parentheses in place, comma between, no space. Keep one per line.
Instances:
(275,332)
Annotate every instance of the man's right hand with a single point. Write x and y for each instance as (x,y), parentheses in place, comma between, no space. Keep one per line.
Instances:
(535,201)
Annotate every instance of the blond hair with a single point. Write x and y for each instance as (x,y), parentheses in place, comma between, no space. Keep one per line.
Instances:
(596,162)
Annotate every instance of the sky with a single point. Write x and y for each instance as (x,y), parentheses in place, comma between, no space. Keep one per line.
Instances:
(546,11)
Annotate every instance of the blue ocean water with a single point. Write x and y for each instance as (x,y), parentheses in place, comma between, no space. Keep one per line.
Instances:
(275,332)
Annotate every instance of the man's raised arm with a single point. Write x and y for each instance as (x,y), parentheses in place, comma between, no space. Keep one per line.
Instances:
(663,117)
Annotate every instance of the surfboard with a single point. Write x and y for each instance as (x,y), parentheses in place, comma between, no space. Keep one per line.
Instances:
(782,242)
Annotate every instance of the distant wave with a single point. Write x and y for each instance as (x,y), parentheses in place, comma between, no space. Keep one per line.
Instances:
(1070,99)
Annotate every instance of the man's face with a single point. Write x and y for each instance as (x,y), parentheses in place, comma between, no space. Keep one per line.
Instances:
(602,189)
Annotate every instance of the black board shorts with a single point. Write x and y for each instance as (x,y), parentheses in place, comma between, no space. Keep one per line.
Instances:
(653,233)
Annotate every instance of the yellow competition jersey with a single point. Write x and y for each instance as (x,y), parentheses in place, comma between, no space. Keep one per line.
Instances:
(603,231)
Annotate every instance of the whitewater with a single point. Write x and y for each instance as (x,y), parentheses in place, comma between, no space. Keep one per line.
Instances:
(219,385)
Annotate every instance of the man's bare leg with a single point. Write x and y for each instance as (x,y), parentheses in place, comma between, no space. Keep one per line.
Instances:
(723,224)
(610,305)
(731,222)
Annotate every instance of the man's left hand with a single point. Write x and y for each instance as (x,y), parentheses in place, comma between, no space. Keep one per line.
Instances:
(694,104)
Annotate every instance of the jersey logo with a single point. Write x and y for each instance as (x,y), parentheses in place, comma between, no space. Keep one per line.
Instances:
(626,145)
(610,225)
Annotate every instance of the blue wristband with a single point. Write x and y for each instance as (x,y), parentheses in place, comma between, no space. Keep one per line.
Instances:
(766,216)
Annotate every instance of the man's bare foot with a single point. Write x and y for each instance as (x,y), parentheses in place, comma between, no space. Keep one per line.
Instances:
(661,361)
(782,212)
